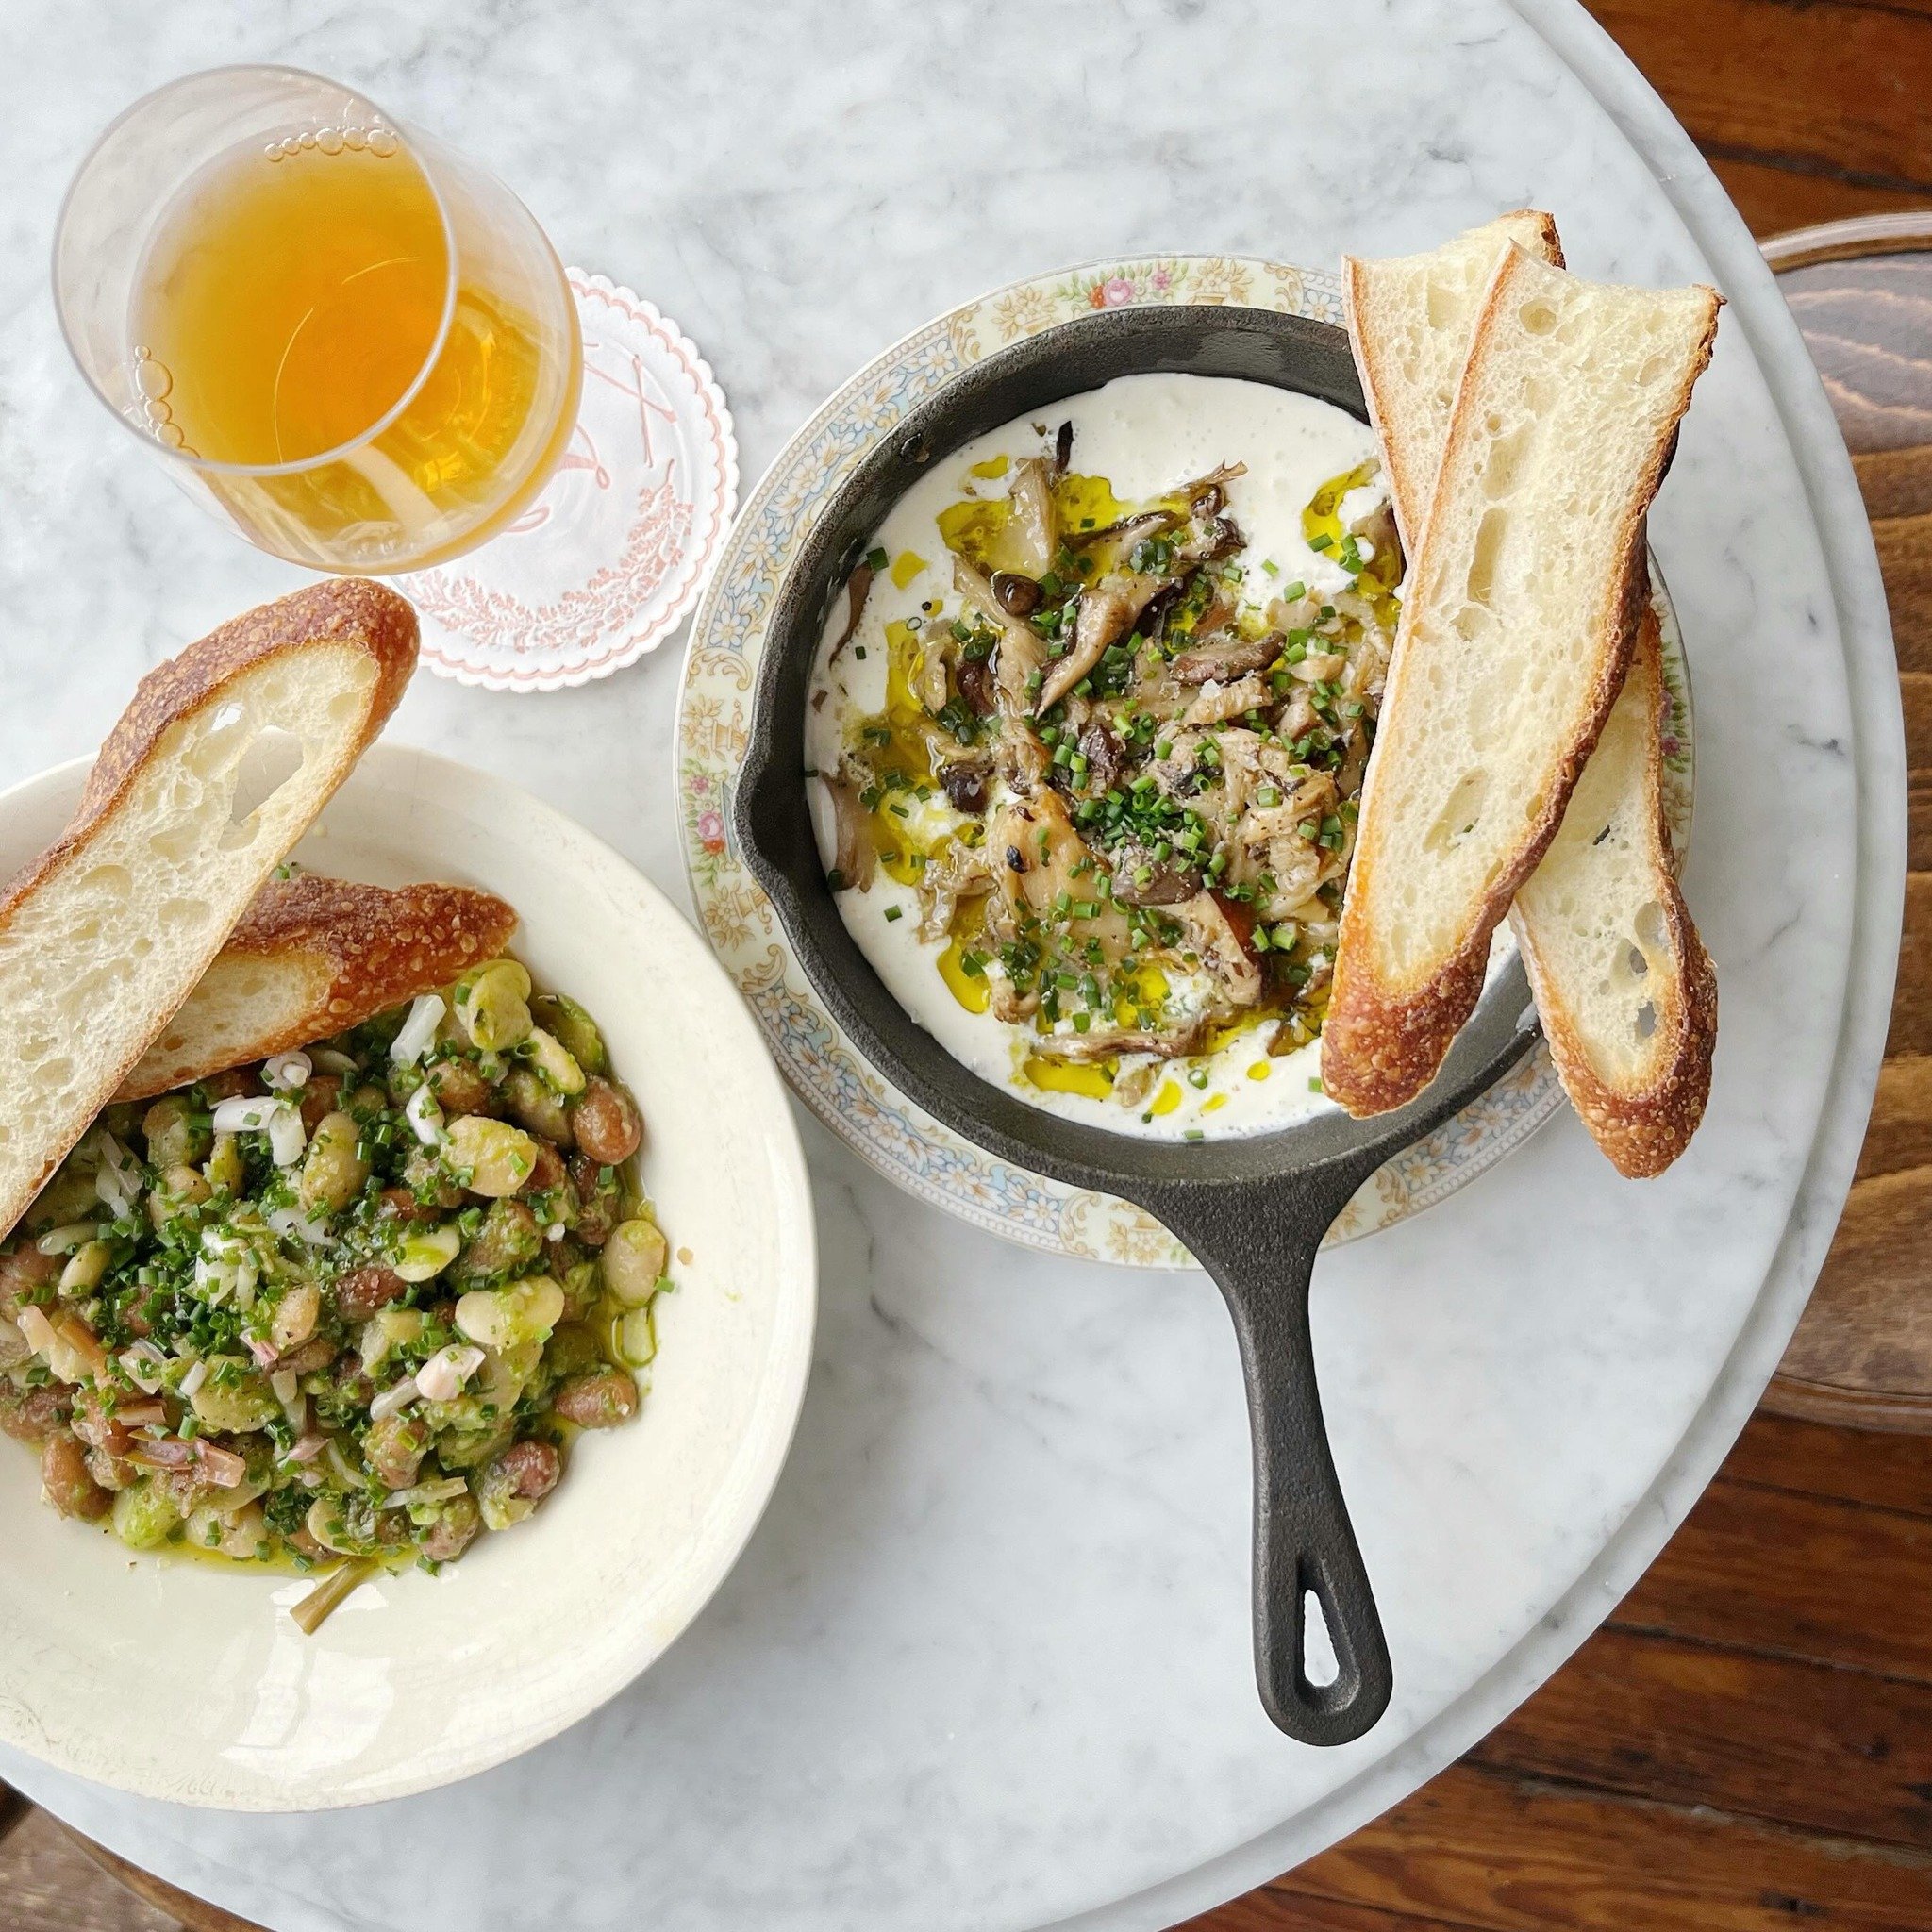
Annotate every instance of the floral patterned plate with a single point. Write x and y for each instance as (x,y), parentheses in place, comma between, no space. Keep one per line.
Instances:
(714,715)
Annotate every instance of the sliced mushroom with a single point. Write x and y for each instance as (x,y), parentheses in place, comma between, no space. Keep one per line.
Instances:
(1103,753)
(1221,928)
(1018,594)
(1107,613)
(1224,657)
(1125,531)
(1318,667)
(961,872)
(965,780)
(1034,520)
(929,678)
(1165,883)
(1038,856)
(858,589)
(1021,652)
(974,676)
(1217,703)
(855,859)
(1206,487)
(1104,1043)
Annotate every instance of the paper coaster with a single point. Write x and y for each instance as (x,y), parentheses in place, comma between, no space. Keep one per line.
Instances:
(608,560)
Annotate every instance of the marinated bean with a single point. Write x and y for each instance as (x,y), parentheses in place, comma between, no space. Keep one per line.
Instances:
(493,1003)
(554,1061)
(316,1353)
(229,1085)
(607,1123)
(389,1329)
(600,1203)
(85,1268)
(95,1426)
(241,1534)
(180,1189)
(532,1469)
(295,1316)
(69,1196)
(549,1172)
(504,1318)
(597,1402)
(234,1397)
(494,1157)
(34,1415)
(430,1182)
(226,1168)
(562,1016)
(633,1262)
(533,1106)
(394,1449)
(319,1097)
(66,1483)
(461,1088)
(505,1245)
(453,1530)
(509,1488)
(422,1255)
(112,1471)
(359,1294)
(574,1350)
(335,1168)
(145,1516)
(177,1135)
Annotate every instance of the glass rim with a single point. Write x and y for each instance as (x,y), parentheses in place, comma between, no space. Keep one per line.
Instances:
(411,144)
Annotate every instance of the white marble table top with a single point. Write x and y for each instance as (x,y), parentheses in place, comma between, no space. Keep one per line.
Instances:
(986,1663)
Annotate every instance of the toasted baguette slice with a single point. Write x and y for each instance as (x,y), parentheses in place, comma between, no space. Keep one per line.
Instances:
(106,934)
(315,955)
(1626,992)
(1516,632)
(1641,1096)
(1410,320)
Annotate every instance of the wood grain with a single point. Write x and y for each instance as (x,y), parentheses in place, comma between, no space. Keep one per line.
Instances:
(48,1884)
(1511,1854)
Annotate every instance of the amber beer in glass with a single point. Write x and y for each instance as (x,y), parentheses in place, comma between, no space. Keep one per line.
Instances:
(351,343)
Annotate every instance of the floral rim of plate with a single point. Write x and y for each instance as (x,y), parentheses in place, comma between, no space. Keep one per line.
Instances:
(850,1096)
(632,520)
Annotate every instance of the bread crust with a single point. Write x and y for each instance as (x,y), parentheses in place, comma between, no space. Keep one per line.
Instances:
(1407,490)
(367,947)
(351,611)
(1643,1129)
(1381,1045)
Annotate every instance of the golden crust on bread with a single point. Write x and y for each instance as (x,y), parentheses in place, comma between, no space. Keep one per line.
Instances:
(1642,1120)
(103,936)
(1409,425)
(367,616)
(1389,1026)
(312,956)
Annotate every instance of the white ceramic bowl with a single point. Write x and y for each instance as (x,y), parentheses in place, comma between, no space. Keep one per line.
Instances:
(185,1680)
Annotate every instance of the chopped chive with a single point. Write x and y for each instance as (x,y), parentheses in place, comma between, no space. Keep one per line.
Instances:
(895,913)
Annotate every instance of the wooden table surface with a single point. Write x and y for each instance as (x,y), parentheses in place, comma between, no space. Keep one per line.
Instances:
(1747,1743)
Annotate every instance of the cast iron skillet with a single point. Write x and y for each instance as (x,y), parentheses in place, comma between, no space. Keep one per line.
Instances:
(1252,1210)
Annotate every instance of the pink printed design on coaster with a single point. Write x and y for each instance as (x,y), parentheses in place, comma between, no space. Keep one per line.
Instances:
(614,552)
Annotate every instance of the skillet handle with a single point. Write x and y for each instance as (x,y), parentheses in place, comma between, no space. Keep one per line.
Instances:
(1260,1249)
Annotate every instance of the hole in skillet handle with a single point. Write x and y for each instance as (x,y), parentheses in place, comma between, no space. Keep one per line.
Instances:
(1257,1240)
